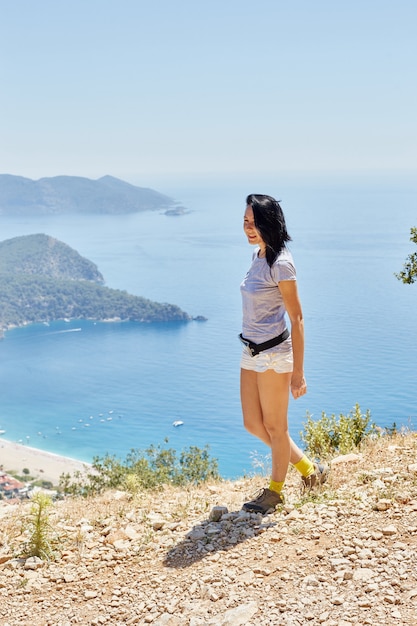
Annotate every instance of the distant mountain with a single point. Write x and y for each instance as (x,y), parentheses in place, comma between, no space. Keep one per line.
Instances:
(75,194)
(43,279)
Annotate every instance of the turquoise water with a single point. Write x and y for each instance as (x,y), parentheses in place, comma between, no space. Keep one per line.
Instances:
(83,389)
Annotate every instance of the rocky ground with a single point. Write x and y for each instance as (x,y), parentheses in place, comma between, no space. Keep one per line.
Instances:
(344,556)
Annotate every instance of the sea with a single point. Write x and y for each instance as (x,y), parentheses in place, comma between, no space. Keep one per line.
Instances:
(85,389)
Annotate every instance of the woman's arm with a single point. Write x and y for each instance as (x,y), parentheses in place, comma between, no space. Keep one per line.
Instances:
(289,292)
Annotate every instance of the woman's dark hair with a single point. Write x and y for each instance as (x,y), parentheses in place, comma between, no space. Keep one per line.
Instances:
(270,222)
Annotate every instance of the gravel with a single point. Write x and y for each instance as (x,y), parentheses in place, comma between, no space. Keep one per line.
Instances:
(344,556)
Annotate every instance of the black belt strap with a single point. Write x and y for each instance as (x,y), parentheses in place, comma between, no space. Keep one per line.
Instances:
(256,348)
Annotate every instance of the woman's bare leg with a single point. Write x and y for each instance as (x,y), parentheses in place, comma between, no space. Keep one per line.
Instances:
(251,406)
(253,418)
(274,390)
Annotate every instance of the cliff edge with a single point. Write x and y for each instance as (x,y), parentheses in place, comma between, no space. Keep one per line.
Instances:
(344,556)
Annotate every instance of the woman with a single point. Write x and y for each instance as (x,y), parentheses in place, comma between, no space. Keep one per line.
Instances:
(272,360)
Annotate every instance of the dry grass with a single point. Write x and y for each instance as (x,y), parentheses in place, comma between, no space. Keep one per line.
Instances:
(382,466)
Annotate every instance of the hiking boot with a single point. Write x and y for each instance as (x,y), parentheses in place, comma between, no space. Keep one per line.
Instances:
(319,477)
(265,501)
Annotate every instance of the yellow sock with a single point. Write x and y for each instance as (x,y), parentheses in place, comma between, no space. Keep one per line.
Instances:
(274,486)
(305,466)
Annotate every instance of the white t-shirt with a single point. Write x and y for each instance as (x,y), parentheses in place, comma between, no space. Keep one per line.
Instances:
(262,303)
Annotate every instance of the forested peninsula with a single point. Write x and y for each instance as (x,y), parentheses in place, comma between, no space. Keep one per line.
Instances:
(43,279)
(59,195)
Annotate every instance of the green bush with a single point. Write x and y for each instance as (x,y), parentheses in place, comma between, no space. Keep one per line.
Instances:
(149,469)
(408,274)
(196,466)
(332,435)
(44,484)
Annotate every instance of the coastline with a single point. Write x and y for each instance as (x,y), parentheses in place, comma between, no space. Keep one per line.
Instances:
(42,465)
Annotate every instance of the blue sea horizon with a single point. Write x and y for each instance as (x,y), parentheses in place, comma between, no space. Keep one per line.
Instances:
(83,389)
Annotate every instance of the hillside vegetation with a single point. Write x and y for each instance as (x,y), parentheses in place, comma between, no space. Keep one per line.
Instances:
(189,556)
(43,279)
(42,255)
(75,194)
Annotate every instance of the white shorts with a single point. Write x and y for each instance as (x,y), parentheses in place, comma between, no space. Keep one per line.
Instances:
(279,361)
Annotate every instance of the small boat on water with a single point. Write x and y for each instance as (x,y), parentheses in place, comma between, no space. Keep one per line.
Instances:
(177,423)
(2,432)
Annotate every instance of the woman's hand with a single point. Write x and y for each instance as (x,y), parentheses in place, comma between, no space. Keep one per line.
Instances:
(298,386)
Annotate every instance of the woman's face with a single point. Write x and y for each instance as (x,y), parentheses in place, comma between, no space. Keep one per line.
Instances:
(249,227)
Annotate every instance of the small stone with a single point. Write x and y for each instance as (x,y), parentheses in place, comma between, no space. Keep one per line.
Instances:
(217,512)
(363,574)
(32,563)
(411,594)
(396,614)
(389,599)
(261,571)
(69,577)
(212,530)
(389,531)
(276,537)
(323,617)
(365,604)
(86,528)
(5,557)
(383,505)
(240,615)
(365,553)
(293,515)
(196,534)
(131,533)
(346,458)
(212,595)
(121,545)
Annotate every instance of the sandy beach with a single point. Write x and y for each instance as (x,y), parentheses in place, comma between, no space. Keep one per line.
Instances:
(14,457)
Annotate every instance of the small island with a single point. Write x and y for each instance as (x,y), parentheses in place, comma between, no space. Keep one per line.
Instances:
(43,279)
(179,210)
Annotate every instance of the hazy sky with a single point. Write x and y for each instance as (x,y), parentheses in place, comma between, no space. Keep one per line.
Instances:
(192,87)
